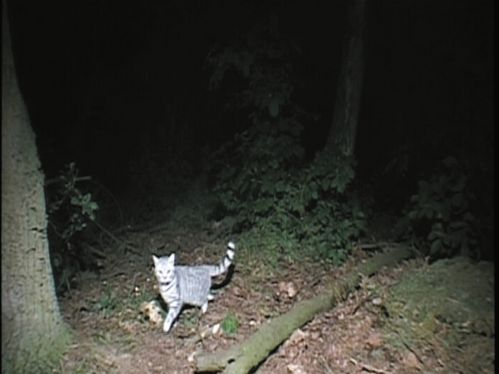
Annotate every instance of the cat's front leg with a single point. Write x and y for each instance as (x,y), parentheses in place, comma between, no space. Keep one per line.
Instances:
(173,311)
(204,307)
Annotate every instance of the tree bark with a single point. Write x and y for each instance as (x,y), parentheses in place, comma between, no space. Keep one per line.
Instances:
(343,130)
(247,355)
(33,334)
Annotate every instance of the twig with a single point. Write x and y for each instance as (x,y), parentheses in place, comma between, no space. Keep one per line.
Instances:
(372,369)
(376,245)
(133,282)
(94,250)
(368,368)
(115,239)
(414,352)
(104,188)
(325,365)
(57,179)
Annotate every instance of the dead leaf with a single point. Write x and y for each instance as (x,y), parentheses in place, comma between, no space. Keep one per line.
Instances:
(296,369)
(287,288)
(192,356)
(411,361)
(152,310)
(296,337)
(377,301)
(215,329)
(374,340)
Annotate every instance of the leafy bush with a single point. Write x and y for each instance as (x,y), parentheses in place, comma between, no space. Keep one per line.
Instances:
(307,212)
(69,212)
(230,324)
(278,202)
(107,303)
(74,207)
(440,212)
(262,58)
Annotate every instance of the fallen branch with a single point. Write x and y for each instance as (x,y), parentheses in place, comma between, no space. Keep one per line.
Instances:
(248,354)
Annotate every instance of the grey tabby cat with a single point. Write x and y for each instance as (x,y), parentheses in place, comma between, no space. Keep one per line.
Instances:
(191,285)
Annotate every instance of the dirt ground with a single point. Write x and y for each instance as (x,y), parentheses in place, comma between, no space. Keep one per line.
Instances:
(389,325)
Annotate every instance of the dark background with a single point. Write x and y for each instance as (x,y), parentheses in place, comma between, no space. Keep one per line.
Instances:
(103,78)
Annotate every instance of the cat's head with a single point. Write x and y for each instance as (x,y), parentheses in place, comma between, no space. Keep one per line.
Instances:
(164,268)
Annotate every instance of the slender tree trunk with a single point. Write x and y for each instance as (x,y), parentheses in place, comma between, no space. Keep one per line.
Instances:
(343,130)
(33,334)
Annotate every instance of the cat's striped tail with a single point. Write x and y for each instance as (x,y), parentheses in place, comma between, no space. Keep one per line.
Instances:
(226,261)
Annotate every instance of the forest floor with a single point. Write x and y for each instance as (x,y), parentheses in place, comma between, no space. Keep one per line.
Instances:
(412,318)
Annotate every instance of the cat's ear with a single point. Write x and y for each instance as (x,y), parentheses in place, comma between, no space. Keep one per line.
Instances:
(155,259)
(171,259)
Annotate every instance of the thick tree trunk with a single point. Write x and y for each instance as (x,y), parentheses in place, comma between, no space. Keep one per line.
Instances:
(247,355)
(341,138)
(33,334)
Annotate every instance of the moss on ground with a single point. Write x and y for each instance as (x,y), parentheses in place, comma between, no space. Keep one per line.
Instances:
(450,302)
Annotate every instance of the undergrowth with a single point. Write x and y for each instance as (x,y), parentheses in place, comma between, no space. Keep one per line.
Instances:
(278,202)
(439,216)
(70,207)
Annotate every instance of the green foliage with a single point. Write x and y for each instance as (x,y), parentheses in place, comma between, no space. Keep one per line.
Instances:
(306,213)
(283,205)
(107,303)
(440,212)
(69,211)
(259,168)
(68,200)
(262,58)
(279,203)
(230,324)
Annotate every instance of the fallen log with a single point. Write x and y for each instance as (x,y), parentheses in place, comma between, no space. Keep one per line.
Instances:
(247,355)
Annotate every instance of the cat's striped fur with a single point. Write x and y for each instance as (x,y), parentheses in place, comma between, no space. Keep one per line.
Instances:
(191,285)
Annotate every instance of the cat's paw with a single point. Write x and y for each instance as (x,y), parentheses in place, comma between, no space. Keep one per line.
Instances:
(166,327)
